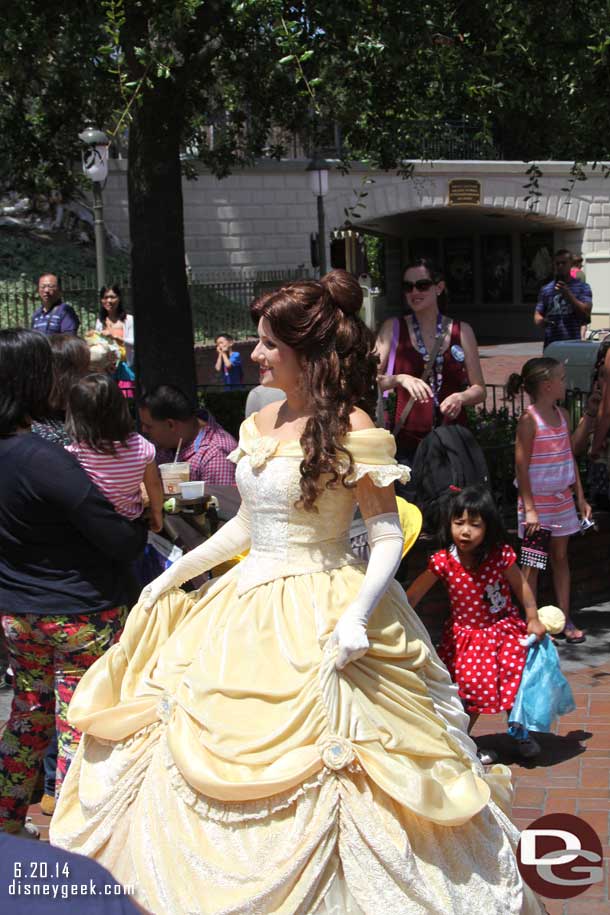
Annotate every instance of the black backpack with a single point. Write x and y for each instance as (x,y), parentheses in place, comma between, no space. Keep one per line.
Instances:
(448,456)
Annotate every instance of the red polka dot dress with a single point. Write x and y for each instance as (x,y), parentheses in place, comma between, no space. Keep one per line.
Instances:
(480,643)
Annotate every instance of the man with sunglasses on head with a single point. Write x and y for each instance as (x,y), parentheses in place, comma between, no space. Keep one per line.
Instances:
(54,316)
(564,305)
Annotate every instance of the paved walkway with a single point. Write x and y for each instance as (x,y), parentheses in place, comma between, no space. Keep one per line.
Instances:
(498,362)
(572,775)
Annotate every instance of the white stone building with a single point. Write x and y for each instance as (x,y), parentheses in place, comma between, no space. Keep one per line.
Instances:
(495,251)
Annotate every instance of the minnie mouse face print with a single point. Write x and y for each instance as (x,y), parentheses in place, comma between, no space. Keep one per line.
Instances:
(494,597)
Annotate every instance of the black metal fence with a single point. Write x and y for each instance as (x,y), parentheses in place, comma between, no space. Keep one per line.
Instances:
(450,140)
(19,300)
(219,301)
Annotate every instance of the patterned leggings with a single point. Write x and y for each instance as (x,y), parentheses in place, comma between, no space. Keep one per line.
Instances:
(48,655)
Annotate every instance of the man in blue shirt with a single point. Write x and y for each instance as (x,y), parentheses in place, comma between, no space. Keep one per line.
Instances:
(53,316)
(564,304)
(228,362)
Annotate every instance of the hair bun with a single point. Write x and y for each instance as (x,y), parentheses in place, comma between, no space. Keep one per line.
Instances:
(343,290)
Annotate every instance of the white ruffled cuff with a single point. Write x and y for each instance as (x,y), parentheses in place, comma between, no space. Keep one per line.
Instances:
(380,474)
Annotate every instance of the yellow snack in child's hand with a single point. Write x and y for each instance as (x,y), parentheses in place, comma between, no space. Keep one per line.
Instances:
(552,618)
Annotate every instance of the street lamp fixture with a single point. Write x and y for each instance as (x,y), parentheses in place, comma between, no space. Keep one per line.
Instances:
(95,167)
(318,182)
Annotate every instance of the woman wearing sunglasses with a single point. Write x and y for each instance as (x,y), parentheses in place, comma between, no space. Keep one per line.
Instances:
(439,392)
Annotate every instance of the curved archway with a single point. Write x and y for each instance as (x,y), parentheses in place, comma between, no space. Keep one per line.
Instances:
(496,254)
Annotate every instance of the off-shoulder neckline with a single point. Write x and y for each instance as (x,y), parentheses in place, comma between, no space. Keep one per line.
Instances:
(297,441)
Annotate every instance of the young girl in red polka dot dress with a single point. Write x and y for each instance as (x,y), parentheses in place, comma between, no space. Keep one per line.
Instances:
(481,642)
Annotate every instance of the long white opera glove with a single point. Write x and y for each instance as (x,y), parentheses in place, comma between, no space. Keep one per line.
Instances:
(232,538)
(386,542)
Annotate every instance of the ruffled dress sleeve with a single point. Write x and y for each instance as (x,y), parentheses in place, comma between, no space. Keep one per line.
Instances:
(437,564)
(508,557)
(373,453)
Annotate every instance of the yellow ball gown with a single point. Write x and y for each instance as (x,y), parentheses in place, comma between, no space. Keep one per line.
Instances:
(227,767)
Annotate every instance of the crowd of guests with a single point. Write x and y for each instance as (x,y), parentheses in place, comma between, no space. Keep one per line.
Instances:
(80,490)
(167,416)
(77,478)
(64,567)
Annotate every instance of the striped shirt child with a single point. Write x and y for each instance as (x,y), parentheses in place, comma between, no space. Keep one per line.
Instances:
(552,474)
(118,475)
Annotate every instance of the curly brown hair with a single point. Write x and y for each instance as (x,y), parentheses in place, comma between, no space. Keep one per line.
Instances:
(319,320)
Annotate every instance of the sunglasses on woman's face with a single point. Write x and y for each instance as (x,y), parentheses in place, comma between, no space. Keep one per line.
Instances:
(420,285)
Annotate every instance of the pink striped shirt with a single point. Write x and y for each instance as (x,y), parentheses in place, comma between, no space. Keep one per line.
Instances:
(118,475)
(551,467)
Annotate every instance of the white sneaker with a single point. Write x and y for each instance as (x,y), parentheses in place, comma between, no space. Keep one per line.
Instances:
(528,748)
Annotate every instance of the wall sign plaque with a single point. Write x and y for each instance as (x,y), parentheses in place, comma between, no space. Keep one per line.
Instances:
(464,191)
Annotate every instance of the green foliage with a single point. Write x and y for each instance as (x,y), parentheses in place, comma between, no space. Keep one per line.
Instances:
(496,432)
(52,84)
(215,311)
(492,428)
(374,246)
(532,78)
(24,255)
(528,77)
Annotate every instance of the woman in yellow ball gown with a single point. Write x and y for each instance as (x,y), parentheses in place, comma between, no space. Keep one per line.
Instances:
(286,740)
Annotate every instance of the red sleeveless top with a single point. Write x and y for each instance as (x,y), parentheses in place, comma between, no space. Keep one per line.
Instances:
(409,361)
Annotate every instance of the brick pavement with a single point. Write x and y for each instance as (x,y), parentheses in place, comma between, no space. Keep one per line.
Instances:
(572,775)
(498,362)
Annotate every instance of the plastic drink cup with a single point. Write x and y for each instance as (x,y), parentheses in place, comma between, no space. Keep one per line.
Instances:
(172,475)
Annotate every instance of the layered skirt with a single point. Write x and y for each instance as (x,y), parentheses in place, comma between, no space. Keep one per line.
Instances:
(226,766)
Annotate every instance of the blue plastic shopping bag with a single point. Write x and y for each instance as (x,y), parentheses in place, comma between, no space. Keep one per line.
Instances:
(544,693)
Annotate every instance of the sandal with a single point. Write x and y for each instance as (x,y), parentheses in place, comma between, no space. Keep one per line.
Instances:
(570,637)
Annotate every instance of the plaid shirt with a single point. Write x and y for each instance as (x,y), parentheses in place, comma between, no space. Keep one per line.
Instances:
(207,455)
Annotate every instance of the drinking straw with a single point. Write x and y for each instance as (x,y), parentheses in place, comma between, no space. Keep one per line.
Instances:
(177,451)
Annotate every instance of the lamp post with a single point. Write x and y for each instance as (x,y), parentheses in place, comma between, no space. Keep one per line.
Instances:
(95,167)
(318,181)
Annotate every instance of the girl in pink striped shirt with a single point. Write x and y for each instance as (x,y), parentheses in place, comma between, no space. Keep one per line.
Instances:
(116,458)
(547,474)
